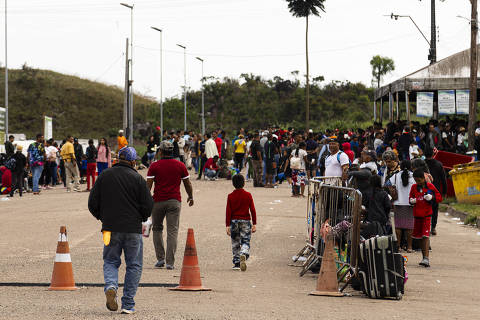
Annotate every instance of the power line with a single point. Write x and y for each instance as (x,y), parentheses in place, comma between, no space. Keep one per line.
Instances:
(280,54)
(110,67)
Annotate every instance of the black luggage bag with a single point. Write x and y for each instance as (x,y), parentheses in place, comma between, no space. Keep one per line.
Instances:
(381,268)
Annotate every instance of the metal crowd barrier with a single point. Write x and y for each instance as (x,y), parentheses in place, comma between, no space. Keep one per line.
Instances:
(331,205)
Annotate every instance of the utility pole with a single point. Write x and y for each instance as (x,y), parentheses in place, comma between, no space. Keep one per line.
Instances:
(161,80)
(433,39)
(6,76)
(184,85)
(203,99)
(129,134)
(126,101)
(472,114)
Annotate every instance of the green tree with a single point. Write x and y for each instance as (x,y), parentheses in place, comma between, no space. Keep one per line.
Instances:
(304,9)
(381,66)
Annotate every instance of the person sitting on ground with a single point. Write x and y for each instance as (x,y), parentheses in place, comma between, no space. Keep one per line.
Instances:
(6,182)
(211,168)
(422,196)
(240,215)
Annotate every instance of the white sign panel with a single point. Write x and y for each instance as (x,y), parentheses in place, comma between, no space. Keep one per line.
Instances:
(3,117)
(48,134)
(424,104)
(463,98)
(446,102)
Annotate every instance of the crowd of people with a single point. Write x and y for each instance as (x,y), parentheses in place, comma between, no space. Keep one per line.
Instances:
(393,168)
(48,164)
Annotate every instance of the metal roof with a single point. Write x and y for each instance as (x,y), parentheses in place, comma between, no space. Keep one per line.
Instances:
(451,73)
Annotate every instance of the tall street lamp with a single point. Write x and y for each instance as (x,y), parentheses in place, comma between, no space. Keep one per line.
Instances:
(6,76)
(185,85)
(432,55)
(161,79)
(130,111)
(203,98)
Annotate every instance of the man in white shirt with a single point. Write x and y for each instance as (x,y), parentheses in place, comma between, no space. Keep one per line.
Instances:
(181,148)
(210,148)
(337,163)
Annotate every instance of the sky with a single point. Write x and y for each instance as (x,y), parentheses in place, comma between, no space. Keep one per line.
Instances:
(87,38)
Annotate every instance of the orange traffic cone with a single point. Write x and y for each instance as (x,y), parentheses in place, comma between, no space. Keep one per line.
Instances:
(62,276)
(327,284)
(190,277)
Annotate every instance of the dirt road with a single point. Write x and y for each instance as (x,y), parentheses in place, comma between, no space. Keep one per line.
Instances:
(270,289)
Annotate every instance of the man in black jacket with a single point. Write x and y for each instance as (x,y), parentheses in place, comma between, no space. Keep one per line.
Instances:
(439,181)
(121,200)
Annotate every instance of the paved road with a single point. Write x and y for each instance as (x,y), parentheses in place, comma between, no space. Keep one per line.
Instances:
(270,289)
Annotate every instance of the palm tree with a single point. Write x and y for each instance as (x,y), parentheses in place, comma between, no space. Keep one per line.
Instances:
(304,9)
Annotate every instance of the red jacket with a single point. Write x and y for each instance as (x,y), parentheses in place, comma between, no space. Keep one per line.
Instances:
(211,164)
(348,151)
(422,207)
(239,206)
(6,177)
(219,142)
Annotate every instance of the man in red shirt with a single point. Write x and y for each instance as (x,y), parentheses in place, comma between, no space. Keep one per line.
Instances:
(240,210)
(167,173)
(218,142)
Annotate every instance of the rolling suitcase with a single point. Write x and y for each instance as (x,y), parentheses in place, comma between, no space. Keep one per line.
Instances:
(382,269)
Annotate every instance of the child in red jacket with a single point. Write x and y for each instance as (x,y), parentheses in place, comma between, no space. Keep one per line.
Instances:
(422,196)
(240,208)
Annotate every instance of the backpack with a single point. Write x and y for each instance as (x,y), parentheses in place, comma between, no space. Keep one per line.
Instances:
(338,159)
(11,164)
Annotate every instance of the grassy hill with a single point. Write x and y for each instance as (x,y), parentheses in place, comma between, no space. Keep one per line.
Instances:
(79,107)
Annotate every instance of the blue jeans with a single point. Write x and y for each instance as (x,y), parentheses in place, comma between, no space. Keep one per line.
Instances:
(52,173)
(195,164)
(36,174)
(101,166)
(211,173)
(151,156)
(132,246)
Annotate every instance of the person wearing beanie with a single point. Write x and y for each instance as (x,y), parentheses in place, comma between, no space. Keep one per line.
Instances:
(121,201)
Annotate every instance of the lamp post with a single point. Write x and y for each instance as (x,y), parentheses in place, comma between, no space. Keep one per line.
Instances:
(161,79)
(6,76)
(432,55)
(185,85)
(130,111)
(203,99)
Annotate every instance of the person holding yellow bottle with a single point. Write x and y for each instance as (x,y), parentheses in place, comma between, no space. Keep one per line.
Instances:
(121,200)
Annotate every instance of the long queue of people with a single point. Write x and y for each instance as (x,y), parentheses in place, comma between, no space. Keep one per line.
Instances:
(48,165)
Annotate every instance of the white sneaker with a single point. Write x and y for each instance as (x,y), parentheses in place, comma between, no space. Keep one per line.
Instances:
(128,311)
